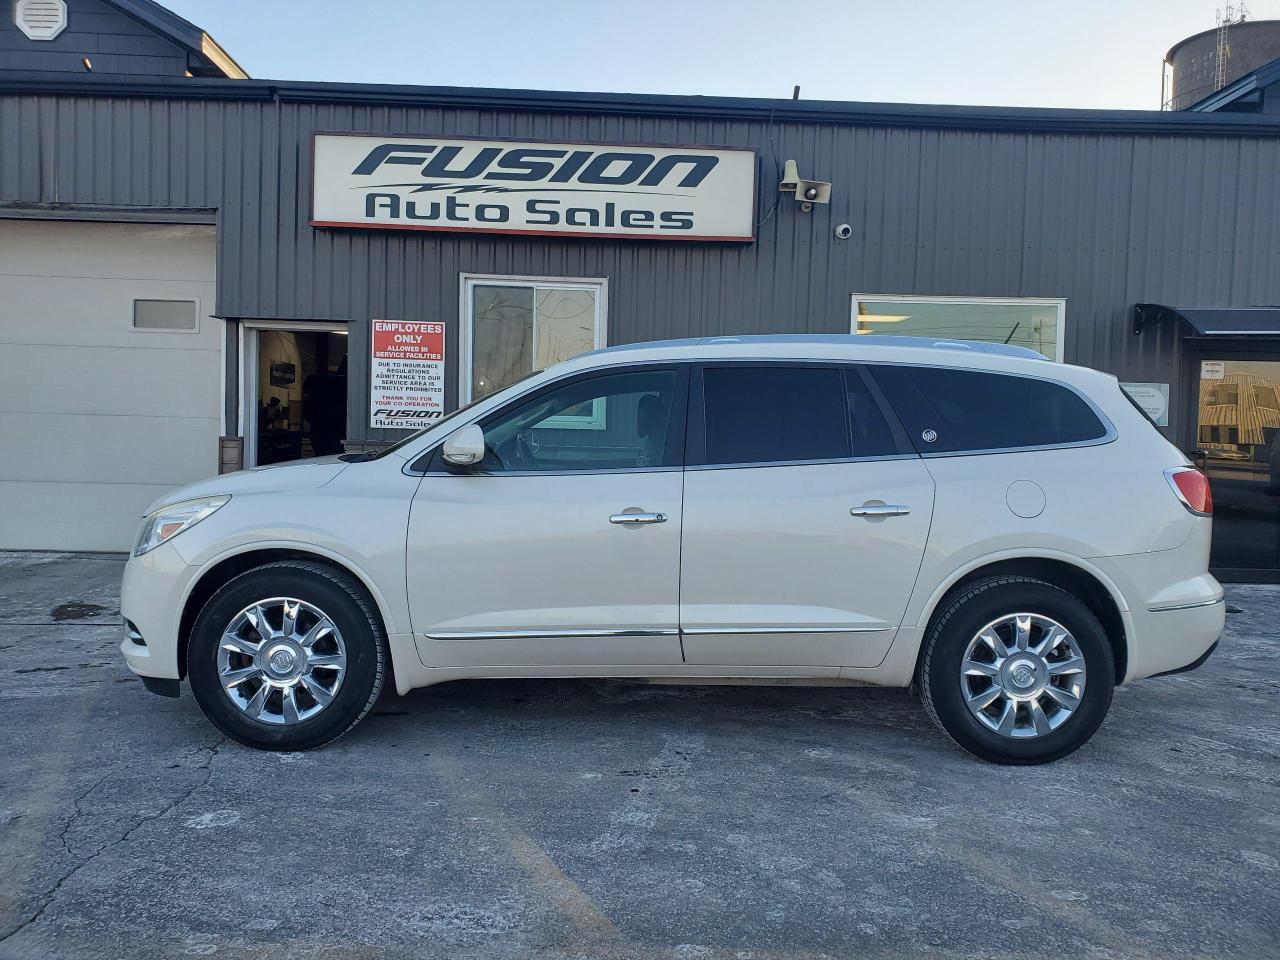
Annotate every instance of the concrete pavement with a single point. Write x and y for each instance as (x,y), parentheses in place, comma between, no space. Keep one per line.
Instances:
(605,819)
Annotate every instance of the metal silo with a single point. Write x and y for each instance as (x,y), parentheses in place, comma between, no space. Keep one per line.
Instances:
(1207,61)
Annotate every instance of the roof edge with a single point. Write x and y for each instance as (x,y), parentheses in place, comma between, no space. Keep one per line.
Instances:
(215,54)
(1209,321)
(1259,77)
(920,116)
(181,32)
(114,213)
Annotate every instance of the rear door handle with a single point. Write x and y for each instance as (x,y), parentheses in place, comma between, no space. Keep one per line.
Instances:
(875,510)
(635,519)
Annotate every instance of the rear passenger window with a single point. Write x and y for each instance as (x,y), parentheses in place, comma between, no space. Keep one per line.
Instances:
(759,414)
(970,411)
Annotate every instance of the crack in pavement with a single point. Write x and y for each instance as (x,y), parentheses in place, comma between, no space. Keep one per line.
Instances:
(52,893)
(78,813)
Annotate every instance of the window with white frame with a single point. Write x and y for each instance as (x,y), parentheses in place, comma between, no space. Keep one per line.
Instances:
(514,326)
(1036,323)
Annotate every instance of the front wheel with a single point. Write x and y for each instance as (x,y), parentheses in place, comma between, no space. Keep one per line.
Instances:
(287,656)
(1017,671)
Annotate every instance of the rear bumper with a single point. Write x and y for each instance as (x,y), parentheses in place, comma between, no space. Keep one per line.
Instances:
(1172,641)
(1194,664)
(1176,611)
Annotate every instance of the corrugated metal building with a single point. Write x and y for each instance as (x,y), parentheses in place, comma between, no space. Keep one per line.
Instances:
(1042,227)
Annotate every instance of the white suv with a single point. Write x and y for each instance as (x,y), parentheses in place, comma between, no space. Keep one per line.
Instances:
(1009,536)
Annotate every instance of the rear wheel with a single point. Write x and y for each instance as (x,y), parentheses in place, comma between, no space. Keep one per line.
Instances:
(287,656)
(1017,671)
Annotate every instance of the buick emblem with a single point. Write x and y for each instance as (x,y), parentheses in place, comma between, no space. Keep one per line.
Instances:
(929,436)
(1023,675)
(282,660)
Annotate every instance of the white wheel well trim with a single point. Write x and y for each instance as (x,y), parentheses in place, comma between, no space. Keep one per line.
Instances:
(926,614)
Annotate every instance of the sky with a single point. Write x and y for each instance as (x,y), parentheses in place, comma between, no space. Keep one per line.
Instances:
(1068,53)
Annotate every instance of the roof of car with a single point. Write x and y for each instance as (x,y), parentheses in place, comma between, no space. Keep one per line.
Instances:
(842,346)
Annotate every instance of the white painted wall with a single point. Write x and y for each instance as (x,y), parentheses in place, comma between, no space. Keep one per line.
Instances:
(97,418)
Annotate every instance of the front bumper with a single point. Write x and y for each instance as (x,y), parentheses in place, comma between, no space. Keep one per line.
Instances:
(151,597)
(162,686)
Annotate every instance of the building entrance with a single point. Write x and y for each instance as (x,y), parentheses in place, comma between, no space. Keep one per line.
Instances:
(1238,445)
(297,392)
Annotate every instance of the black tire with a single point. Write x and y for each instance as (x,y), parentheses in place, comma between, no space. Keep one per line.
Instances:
(960,620)
(350,609)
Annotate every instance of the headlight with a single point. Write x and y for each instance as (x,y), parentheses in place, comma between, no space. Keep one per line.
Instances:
(167,522)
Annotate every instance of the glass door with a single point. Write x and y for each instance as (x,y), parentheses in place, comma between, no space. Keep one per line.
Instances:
(1238,445)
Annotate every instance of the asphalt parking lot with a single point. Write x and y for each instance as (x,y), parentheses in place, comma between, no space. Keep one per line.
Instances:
(609,819)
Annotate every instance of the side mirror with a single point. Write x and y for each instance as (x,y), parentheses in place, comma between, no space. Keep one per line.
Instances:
(464,447)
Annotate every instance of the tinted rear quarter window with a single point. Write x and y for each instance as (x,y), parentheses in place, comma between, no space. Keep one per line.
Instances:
(971,410)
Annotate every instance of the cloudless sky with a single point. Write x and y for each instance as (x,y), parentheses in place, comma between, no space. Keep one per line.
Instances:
(1069,53)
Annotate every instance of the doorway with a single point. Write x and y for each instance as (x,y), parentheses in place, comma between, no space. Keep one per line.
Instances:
(295,391)
(1237,443)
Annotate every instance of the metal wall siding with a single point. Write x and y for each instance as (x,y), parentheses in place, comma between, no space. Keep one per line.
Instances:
(114,43)
(1102,220)
(1257,239)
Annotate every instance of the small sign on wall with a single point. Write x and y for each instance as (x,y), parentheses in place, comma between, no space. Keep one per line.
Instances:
(1153,398)
(406,387)
(1213,369)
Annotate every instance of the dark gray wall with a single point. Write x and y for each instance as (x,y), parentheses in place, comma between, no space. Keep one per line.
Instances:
(1105,221)
(114,43)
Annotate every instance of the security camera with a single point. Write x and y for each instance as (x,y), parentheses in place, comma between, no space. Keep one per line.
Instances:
(808,192)
(844,232)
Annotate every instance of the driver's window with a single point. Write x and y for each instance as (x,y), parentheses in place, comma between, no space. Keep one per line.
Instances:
(631,429)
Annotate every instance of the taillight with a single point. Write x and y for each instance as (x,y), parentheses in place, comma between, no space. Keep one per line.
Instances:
(1192,488)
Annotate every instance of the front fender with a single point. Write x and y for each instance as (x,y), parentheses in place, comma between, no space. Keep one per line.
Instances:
(387,609)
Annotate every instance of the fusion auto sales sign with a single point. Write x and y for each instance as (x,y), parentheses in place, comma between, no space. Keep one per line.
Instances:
(484,186)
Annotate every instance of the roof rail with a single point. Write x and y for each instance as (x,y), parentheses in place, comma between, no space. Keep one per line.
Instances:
(835,339)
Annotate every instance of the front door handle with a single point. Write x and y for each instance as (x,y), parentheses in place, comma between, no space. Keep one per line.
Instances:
(635,519)
(875,509)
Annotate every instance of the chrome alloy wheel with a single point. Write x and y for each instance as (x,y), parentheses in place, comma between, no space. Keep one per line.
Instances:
(281,660)
(1022,675)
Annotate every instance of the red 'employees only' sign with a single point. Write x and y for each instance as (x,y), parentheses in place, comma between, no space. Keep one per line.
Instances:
(408,340)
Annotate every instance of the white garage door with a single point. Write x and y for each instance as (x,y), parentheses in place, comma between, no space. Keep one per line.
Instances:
(105,403)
